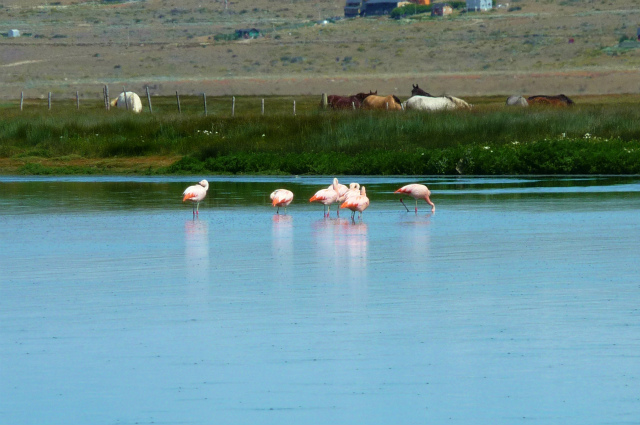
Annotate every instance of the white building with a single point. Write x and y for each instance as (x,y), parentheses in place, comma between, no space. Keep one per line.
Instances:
(477,5)
(13,33)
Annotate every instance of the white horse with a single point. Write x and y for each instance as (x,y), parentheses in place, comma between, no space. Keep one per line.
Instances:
(442,103)
(133,102)
(517,101)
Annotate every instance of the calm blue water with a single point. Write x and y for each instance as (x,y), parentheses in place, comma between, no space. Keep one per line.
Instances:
(518,301)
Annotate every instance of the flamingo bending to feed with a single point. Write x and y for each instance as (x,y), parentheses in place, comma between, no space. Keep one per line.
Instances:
(417,191)
(281,198)
(196,194)
(327,196)
(357,203)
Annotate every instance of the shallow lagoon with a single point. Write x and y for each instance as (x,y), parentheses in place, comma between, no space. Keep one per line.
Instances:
(518,301)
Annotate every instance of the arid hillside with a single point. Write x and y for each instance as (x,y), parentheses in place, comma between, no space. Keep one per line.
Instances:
(571,46)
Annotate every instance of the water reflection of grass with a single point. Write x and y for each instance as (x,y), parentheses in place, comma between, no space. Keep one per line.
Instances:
(592,138)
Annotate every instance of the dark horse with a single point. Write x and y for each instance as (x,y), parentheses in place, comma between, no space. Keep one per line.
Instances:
(417,91)
(347,102)
(559,100)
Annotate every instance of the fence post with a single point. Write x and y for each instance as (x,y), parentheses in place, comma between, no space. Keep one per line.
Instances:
(21,99)
(262,106)
(294,108)
(178,100)
(204,99)
(49,100)
(387,105)
(126,104)
(77,100)
(233,106)
(353,105)
(324,102)
(107,101)
(149,100)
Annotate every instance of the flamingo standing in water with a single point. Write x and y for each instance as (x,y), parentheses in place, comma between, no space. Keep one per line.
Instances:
(417,191)
(327,196)
(281,198)
(354,190)
(196,194)
(357,203)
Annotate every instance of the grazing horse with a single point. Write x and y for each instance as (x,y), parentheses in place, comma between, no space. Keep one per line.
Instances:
(133,102)
(346,102)
(430,103)
(417,91)
(559,100)
(390,102)
(517,101)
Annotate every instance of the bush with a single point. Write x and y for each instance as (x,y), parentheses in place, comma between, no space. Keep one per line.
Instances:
(412,9)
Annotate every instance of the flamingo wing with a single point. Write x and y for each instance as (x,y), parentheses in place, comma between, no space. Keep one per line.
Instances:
(194,193)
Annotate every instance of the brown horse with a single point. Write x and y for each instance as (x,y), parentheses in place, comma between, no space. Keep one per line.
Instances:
(390,102)
(335,101)
(417,91)
(559,100)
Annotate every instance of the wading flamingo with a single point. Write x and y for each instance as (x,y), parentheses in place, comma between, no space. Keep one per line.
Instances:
(354,190)
(196,194)
(357,203)
(281,198)
(417,191)
(327,196)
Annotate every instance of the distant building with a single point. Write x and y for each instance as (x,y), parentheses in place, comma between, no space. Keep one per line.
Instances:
(441,9)
(248,33)
(420,2)
(479,5)
(353,8)
(13,33)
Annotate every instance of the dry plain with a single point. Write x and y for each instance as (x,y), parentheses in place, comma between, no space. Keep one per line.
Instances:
(531,47)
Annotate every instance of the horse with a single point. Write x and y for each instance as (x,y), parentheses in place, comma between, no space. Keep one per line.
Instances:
(431,103)
(417,91)
(559,100)
(133,102)
(346,102)
(390,102)
(516,100)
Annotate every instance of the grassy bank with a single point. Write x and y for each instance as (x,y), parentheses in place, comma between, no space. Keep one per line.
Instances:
(592,138)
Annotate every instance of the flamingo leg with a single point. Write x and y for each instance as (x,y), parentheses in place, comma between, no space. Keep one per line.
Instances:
(416,206)
(278,210)
(328,210)
(197,207)
(402,202)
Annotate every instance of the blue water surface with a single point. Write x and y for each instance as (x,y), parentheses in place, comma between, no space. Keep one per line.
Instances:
(518,301)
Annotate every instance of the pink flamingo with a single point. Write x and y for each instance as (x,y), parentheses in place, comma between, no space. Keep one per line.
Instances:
(354,190)
(281,198)
(417,191)
(357,203)
(327,196)
(196,194)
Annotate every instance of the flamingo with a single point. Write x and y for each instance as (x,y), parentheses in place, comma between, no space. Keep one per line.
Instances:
(281,198)
(354,190)
(196,194)
(417,191)
(357,203)
(327,196)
